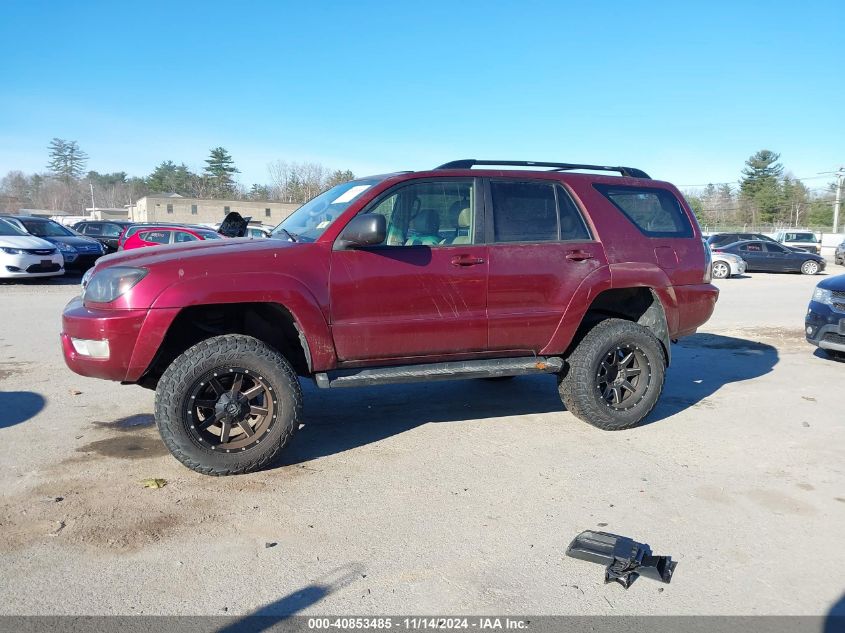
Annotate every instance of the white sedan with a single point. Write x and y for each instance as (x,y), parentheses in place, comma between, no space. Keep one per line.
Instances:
(23,256)
(727,265)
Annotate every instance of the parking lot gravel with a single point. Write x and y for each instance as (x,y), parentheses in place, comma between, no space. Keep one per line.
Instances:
(438,498)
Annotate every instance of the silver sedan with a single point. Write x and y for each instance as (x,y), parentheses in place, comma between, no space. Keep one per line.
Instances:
(727,265)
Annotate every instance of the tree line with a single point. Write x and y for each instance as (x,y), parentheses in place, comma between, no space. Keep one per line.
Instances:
(66,185)
(764,195)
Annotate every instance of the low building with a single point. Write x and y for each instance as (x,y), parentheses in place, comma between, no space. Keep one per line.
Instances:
(171,207)
(107,213)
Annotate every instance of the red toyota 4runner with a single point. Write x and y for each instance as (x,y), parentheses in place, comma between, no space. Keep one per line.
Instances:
(450,273)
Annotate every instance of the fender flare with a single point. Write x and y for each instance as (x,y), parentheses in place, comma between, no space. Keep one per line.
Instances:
(278,288)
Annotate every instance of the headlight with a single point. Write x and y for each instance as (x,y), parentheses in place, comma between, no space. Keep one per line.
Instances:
(12,251)
(823,295)
(65,248)
(108,284)
(86,277)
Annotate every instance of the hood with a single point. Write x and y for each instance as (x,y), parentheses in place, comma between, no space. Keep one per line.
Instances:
(190,252)
(25,241)
(833,283)
(77,241)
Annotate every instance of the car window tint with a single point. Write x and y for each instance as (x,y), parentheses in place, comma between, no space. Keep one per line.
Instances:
(572,225)
(656,212)
(183,236)
(775,248)
(92,229)
(752,248)
(111,230)
(159,237)
(429,213)
(524,211)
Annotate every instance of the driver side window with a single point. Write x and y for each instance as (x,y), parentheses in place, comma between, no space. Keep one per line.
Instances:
(429,213)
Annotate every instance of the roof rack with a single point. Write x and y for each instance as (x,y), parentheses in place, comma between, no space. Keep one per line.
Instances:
(631,172)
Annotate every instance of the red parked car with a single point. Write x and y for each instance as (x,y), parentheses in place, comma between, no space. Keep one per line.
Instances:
(449,273)
(159,235)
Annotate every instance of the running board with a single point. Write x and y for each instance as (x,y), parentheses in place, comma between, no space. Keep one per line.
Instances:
(454,370)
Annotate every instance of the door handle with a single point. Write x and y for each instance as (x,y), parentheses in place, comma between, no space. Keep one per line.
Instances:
(578,256)
(466,260)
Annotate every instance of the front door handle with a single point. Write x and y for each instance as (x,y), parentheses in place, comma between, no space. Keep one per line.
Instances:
(578,256)
(466,260)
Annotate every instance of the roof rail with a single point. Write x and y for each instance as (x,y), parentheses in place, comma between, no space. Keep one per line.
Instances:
(468,163)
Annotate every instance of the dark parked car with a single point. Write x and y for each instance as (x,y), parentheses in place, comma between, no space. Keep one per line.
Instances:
(448,273)
(839,255)
(106,232)
(723,239)
(773,257)
(79,252)
(825,320)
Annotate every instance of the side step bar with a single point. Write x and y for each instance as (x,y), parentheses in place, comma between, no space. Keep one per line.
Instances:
(453,370)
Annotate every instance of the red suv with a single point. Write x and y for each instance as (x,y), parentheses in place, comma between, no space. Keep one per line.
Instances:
(450,273)
(159,235)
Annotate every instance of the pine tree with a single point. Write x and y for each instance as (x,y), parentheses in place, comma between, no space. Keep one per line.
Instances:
(220,169)
(67,161)
(760,186)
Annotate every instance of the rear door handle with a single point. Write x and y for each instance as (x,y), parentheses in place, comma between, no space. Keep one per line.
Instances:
(466,260)
(578,256)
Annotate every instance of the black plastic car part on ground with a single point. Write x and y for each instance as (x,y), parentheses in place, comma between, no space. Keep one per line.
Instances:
(825,321)
(624,559)
(767,256)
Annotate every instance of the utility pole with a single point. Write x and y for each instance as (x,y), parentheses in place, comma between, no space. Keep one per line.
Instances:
(93,206)
(840,173)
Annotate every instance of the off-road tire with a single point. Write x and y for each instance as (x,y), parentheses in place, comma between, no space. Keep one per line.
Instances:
(809,267)
(246,352)
(577,384)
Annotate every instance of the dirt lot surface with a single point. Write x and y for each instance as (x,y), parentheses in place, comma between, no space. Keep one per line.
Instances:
(442,498)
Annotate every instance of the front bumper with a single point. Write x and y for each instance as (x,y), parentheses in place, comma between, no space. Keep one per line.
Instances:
(27,265)
(738,267)
(824,327)
(134,337)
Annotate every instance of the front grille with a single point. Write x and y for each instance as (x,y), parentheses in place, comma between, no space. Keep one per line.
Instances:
(838,297)
(833,337)
(40,251)
(43,268)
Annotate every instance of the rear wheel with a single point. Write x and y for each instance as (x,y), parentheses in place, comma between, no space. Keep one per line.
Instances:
(721,270)
(614,376)
(228,405)
(810,267)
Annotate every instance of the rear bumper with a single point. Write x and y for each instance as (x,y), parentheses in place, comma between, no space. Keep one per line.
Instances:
(134,336)
(824,327)
(696,303)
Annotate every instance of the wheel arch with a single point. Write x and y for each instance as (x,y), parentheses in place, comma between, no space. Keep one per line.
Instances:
(639,304)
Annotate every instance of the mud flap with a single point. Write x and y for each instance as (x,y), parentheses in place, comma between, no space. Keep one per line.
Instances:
(624,559)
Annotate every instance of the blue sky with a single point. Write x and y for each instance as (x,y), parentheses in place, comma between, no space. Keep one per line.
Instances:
(684,91)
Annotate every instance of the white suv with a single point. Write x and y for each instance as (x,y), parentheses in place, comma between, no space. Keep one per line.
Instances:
(805,240)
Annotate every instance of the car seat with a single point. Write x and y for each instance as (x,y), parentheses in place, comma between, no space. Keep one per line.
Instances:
(424,229)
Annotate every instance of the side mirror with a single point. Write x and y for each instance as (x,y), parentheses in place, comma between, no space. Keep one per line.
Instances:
(368,229)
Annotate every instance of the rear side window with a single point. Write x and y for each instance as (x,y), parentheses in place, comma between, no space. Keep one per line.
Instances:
(111,230)
(524,212)
(159,237)
(655,212)
(754,247)
(92,229)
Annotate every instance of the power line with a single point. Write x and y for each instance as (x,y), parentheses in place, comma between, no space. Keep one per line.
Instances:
(734,182)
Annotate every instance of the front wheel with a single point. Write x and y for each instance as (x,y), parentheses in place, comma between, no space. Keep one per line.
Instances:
(228,405)
(810,267)
(721,270)
(614,376)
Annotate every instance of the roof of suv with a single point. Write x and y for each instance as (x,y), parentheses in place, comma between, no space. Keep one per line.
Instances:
(469,163)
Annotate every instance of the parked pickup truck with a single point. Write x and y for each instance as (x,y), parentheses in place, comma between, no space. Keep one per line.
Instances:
(456,272)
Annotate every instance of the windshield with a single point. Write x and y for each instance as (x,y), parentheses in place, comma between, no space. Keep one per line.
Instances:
(801,237)
(310,220)
(7,229)
(46,228)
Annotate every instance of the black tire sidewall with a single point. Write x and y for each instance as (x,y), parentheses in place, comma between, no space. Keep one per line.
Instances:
(172,400)
(578,385)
